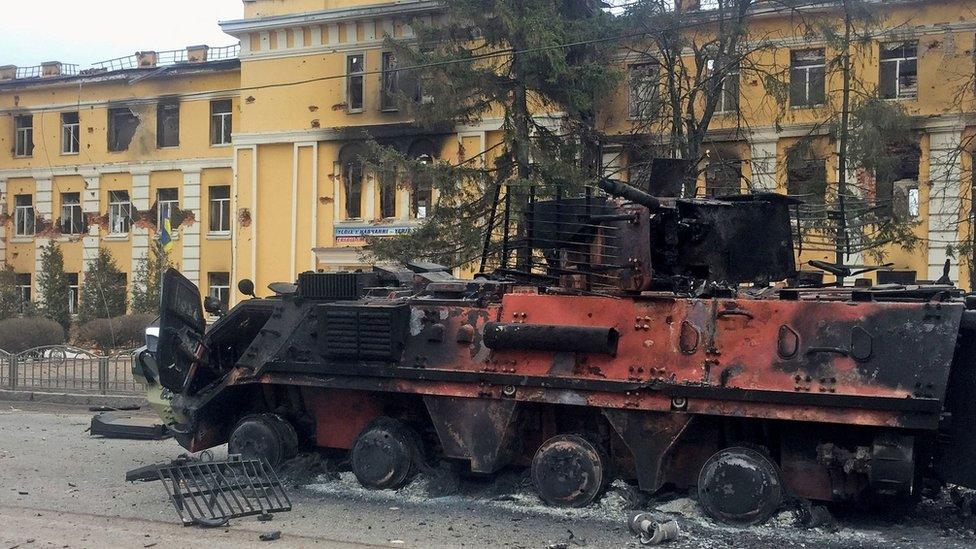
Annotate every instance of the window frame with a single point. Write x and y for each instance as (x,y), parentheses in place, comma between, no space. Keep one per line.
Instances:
(223,209)
(169,204)
(70,134)
(72,215)
(221,123)
(389,90)
(347,169)
(24,136)
(25,216)
(222,292)
(646,73)
(807,69)
(351,78)
(119,211)
(898,62)
(728,101)
(74,292)
(418,189)
(25,291)
(166,111)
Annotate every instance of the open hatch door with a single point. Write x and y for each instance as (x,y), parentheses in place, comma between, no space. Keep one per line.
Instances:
(181,329)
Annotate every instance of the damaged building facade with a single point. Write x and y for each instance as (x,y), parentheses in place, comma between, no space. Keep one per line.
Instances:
(252,151)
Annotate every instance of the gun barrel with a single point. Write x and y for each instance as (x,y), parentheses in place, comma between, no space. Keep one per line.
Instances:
(623,190)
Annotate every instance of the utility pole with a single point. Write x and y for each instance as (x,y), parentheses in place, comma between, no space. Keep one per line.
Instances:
(840,240)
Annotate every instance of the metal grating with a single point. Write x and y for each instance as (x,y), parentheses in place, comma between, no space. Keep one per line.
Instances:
(210,493)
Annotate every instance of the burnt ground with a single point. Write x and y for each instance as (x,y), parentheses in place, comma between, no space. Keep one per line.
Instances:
(61,488)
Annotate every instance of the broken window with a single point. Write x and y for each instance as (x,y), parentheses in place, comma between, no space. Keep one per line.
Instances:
(24,289)
(355,82)
(24,135)
(119,212)
(896,181)
(221,122)
(643,90)
(219,284)
(390,80)
(806,179)
(72,220)
(167,204)
(352,178)
(122,126)
(73,293)
(899,70)
(220,209)
(24,215)
(807,70)
(167,125)
(723,177)
(70,133)
(728,89)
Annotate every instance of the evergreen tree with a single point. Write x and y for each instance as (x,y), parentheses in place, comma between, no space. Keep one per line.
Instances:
(517,59)
(148,280)
(103,295)
(53,285)
(11,303)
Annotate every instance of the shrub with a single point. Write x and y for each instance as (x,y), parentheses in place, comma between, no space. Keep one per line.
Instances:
(121,332)
(20,334)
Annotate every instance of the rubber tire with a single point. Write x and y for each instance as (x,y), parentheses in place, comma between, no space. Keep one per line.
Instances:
(385,455)
(263,436)
(589,467)
(711,480)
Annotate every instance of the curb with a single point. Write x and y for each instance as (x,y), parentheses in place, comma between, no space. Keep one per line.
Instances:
(72,398)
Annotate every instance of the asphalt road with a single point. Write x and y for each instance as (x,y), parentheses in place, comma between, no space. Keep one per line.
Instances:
(61,488)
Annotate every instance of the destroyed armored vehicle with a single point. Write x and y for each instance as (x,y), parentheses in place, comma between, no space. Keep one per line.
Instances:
(615,335)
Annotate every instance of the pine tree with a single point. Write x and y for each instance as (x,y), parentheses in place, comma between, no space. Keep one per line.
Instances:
(148,280)
(103,295)
(517,59)
(11,303)
(54,288)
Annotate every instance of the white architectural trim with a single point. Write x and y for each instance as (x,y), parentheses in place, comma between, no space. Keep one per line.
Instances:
(945,203)
(3,228)
(190,234)
(315,203)
(193,164)
(402,8)
(90,205)
(141,101)
(140,235)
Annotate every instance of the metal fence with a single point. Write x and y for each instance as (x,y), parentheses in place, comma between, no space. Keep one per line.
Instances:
(64,368)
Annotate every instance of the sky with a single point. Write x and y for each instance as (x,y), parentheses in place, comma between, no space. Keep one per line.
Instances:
(85,31)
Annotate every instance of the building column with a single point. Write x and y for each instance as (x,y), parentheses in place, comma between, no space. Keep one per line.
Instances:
(90,205)
(763,163)
(138,233)
(945,173)
(190,232)
(3,227)
(43,210)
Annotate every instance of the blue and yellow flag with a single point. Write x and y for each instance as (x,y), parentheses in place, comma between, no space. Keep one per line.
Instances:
(166,235)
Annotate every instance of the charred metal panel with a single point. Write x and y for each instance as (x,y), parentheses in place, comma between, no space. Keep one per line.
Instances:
(479,430)
(335,286)
(650,436)
(356,408)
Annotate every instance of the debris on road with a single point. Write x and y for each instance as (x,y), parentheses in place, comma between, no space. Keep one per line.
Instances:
(270,536)
(114,425)
(650,531)
(209,493)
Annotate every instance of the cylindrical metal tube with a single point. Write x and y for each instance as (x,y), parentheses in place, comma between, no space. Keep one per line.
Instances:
(635,195)
(545,337)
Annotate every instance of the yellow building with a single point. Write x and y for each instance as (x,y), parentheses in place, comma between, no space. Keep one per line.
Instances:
(258,146)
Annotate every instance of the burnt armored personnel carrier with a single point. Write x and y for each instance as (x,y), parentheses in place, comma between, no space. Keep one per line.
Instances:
(614,335)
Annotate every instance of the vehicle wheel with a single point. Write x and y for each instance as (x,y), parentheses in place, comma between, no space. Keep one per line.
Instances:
(385,454)
(569,471)
(740,486)
(264,436)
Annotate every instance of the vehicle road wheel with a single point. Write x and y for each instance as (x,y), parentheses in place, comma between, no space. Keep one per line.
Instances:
(264,436)
(385,454)
(740,486)
(569,471)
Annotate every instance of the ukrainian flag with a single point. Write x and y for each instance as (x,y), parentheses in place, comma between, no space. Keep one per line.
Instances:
(166,236)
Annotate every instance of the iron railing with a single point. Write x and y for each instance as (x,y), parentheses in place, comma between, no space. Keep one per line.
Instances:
(65,368)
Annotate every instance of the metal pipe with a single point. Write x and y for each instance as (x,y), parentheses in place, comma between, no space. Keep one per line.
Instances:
(623,190)
(546,337)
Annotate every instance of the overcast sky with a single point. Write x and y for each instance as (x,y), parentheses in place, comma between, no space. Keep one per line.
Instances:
(84,31)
